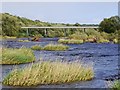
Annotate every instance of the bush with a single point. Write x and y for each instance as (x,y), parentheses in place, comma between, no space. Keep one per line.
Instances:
(116,85)
(36,47)
(70,41)
(57,47)
(49,73)
(17,56)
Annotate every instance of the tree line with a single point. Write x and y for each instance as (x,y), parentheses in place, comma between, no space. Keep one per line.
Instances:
(11,26)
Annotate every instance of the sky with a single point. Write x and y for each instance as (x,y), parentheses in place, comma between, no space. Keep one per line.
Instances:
(63,12)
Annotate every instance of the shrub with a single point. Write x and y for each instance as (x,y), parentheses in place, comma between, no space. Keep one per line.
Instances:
(70,41)
(36,47)
(49,73)
(17,56)
(57,47)
(116,85)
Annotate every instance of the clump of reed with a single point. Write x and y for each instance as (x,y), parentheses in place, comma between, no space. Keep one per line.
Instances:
(36,47)
(78,36)
(23,41)
(17,56)
(55,47)
(70,41)
(48,72)
(51,47)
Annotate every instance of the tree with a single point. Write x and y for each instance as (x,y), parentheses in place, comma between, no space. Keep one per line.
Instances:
(76,24)
(110,25)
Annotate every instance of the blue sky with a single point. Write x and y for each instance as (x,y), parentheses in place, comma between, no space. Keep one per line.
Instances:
(61,12)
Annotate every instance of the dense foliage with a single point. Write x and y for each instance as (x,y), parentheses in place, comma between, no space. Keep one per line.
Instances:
(110,25)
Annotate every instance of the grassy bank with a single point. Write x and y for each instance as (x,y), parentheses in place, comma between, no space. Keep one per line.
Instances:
(51,47)
(49,73)
(70,41)
(16,56)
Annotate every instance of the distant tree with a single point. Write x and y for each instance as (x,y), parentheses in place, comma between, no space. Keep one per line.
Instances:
(76,24)
(67,24)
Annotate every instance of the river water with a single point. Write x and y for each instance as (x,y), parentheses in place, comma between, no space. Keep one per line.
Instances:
(104,58)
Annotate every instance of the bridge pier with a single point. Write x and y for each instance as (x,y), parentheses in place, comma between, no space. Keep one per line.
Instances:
(45,32)
(27,32)
(84,30)
(65,32)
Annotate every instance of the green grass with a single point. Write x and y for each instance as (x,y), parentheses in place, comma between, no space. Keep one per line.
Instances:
(70,41)
(56,47)
(116,85)
(36,47)
(49,73)
(16,56)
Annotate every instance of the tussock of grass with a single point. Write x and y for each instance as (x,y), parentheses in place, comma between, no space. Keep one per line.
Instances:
(23,41)
(70,41)
(103,41)
(78,36)
(36,47)
(16,56)
(51,47)
(49,73)
(56,47)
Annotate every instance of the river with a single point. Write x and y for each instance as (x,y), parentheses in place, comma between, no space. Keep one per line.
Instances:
(104,58)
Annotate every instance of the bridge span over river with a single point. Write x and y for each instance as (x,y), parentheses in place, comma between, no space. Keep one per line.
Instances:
(62,27)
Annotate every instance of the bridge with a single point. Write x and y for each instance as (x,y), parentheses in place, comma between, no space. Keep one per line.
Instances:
(62,27)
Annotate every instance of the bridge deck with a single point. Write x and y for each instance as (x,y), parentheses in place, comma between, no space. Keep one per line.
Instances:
(62,27)
(84,27)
